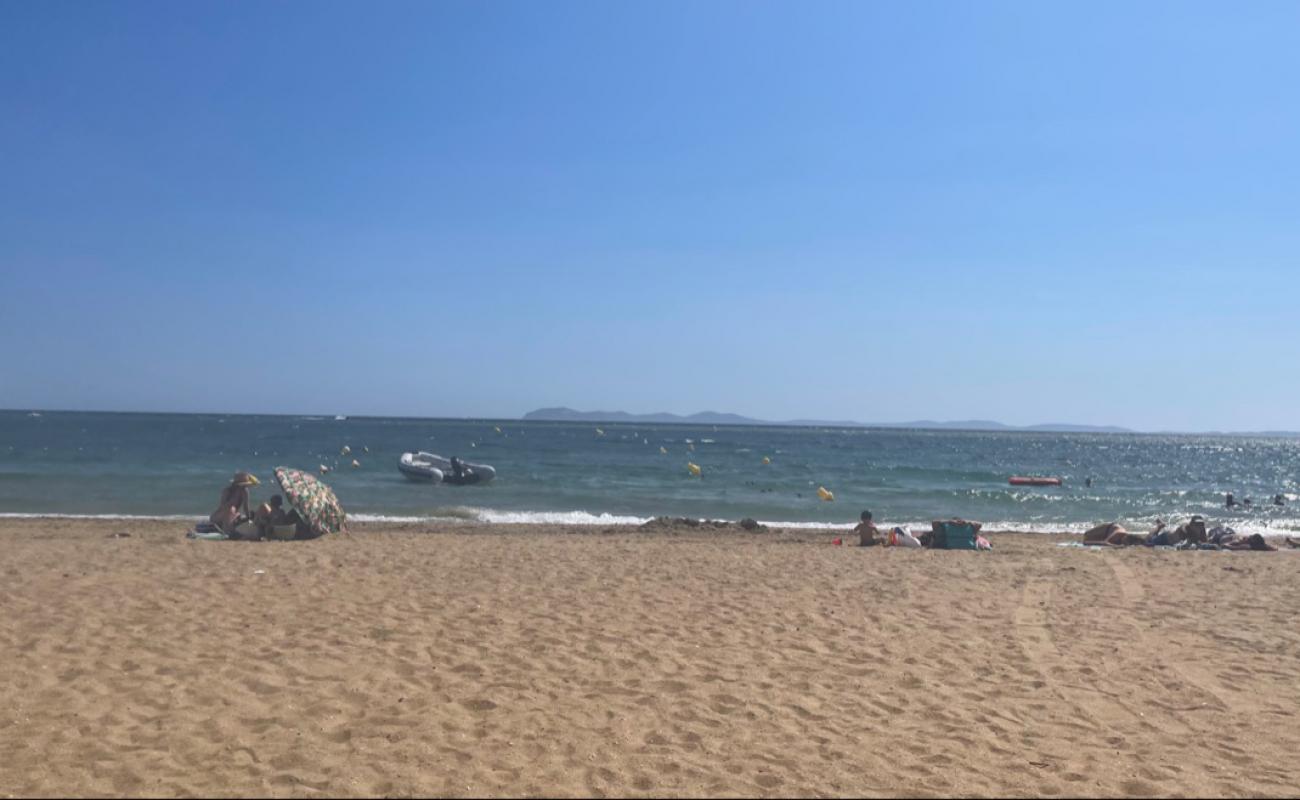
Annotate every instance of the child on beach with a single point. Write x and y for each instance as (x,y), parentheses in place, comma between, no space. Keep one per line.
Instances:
(868,533)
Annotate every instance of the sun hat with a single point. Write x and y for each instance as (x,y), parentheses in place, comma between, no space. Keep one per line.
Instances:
(244,479)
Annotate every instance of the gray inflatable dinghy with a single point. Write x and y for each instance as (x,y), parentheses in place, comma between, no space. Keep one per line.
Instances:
(418,468)
(424,464)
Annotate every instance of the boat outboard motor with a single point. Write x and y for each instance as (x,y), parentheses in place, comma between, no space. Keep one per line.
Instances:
(458,470)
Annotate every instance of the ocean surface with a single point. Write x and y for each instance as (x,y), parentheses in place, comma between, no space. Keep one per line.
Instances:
(176,464)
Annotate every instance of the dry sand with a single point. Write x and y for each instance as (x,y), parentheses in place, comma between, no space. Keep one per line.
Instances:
(474,660)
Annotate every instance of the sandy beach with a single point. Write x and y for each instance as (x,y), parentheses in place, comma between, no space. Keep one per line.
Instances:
(471,660)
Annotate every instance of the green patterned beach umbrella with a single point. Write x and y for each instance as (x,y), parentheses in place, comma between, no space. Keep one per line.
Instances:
(314,501)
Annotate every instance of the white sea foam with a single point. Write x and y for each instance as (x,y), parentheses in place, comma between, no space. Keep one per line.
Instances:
(393,518)
(828,526)
(557,518)
(497,517)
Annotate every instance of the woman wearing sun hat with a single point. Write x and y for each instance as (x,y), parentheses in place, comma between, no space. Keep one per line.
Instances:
(232,509)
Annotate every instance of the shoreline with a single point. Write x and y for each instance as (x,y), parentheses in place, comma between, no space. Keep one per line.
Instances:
(583,520)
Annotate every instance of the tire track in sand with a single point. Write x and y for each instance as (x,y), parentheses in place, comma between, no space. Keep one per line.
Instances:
(1091,705)
(1135,597)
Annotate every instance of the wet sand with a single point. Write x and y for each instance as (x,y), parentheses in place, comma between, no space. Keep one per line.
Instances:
(537,660)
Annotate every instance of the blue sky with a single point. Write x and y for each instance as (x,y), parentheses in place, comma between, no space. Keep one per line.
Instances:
(1027,212)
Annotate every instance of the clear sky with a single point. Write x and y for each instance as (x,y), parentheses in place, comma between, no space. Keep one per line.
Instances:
(1030,212)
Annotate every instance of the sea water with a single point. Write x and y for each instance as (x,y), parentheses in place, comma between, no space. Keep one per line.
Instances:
(176,464)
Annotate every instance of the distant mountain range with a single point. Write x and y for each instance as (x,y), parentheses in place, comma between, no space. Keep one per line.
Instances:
(716,418)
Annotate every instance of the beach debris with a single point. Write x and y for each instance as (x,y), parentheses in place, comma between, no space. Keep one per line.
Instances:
(119,535)
(767,459)
(663,451)
(694,468)
(355,463)
(259,572)
(345,451)
(825,494)
(837,541)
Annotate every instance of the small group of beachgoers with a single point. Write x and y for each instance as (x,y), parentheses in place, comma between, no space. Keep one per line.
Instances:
(1191,535)
(1230,501)
(954,534)
(234,518)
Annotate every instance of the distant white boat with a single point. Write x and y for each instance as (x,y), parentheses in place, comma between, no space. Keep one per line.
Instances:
(34,414)
(339,416)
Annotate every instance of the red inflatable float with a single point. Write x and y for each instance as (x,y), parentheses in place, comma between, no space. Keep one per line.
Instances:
(1021,480)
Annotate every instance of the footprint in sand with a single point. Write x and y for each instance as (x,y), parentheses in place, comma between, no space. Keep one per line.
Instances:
(479,705)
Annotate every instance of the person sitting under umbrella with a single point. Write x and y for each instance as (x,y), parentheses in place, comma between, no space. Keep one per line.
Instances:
(272,514)
(232,508)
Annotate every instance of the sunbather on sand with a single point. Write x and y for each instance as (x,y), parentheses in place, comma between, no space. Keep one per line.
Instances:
(1251,542)
(1189,534)
(232,508)
(1193,531)
(1111,534)
(1162,535)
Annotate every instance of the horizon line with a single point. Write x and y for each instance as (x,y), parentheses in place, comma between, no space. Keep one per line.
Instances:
(1100,429)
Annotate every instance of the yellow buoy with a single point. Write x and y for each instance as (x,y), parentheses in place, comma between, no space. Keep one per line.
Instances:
(694,468)
(825,494)
(767,459)
(663,451)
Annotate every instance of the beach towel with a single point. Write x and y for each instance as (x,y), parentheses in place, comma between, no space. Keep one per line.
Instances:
(207,532)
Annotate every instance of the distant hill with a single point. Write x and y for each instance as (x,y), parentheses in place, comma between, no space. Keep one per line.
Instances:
(715,418)
(702,418)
